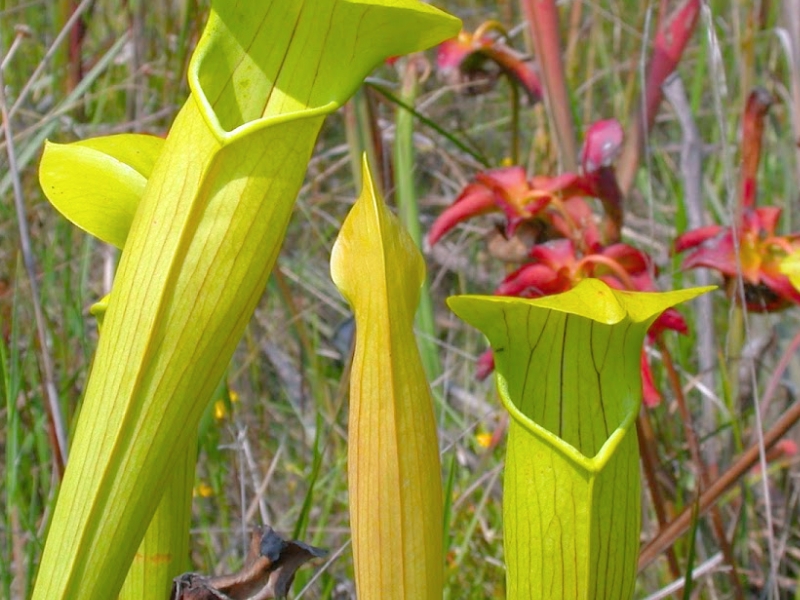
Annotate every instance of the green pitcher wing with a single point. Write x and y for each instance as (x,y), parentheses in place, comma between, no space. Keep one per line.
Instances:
(97,184)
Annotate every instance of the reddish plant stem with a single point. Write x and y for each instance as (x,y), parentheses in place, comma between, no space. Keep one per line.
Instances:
(75,48)
(542,17)
(758,103)
(669,45)
(647,450)
(777,373)
(702,472)
(719,486)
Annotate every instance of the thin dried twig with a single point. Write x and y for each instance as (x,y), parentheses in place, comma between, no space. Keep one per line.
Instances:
(694,451)
(58,432)
(62,35)
(708,498)
(708,567)
(691,168)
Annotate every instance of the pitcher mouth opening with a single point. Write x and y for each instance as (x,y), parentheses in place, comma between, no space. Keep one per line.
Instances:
(592,464)
(233,91)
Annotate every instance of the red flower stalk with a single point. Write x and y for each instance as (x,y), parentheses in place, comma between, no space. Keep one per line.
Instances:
(758,103)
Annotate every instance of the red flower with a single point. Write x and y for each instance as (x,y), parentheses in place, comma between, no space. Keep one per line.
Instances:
(466,57)
(559,201)
(498,189)
(752,250)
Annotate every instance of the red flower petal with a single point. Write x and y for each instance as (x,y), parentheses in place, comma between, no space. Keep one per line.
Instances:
(475,200)
(695,237)
(512,63)
(510,180)
(555,254)
(451,54)
(650,394)
(513,194)
(629,258)
(765,219)
(669,319)
(780,285)
(601,145)
(580,223)
(718,255)
(534,280)
(484,366)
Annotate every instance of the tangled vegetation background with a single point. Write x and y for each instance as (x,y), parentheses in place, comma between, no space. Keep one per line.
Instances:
(530,161)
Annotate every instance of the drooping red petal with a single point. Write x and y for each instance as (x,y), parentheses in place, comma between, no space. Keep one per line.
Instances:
(512,63)
(669,319)
(566,185)
(650,394)
(451,54)
(781,286)
(534,280)
(643,282)
(601,144)
(612,281)
(513,194)
(484,366)
(555,253)
(718,255)
(763,219)
(512,181)
(475,200)
(695,237)
(579,223)
(629,258)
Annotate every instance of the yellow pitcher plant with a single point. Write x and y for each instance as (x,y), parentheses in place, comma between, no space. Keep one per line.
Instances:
(209,216)
(567,369)
(396,511)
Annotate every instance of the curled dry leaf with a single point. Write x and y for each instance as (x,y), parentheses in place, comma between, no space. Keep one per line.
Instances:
(267,573)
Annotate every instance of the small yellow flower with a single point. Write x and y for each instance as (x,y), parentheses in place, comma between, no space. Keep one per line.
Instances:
(484,440)
(220,410)
(203,490)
